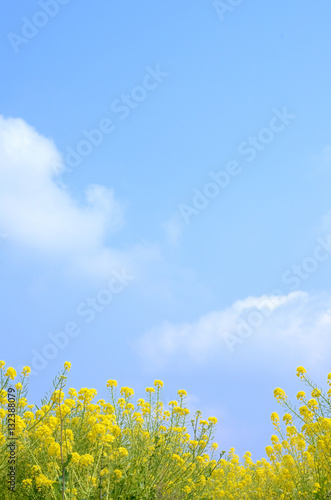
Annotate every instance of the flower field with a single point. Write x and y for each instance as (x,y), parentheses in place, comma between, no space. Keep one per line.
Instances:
(78,447)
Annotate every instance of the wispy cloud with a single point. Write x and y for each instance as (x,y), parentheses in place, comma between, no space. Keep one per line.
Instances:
(298,321)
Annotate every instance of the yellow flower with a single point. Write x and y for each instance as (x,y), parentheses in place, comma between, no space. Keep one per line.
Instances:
(214,446)
(317,487)
(301,371)
(35,469)
(275,417)
(287,418)
(11,372)
(57,396)
(107,438)
(104,472)
(111,383)
(42,480)
(22,402)
(27,482)
(279,394)
(176,457)
(93,479)
(316,393)
(2,364)
(28,415)
(18,386)
(121,402)
(75,457)
(67,365)
(150,389)
(301,395)
(70,402)
(181,393)
(54,450)
(269,450)
(158,383)
(86,460)
(26,371)
(127,391)
(212,420)
(312,403)
(123,452)
(86,394)
(72,392)
(74,492)
(274,439)
(117,473)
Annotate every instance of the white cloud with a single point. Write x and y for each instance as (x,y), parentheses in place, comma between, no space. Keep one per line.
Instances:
(38,212)
(296,324)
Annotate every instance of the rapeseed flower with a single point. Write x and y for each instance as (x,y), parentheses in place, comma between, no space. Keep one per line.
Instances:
(26,371)
(301,371)
(109,447)
(11,373)
(111,383)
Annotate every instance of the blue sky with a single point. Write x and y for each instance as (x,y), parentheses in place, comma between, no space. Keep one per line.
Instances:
(115,122)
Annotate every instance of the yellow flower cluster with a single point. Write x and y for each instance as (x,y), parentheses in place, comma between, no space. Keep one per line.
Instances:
(73,447)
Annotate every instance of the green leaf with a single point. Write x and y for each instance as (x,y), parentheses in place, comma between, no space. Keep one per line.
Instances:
(56,487)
